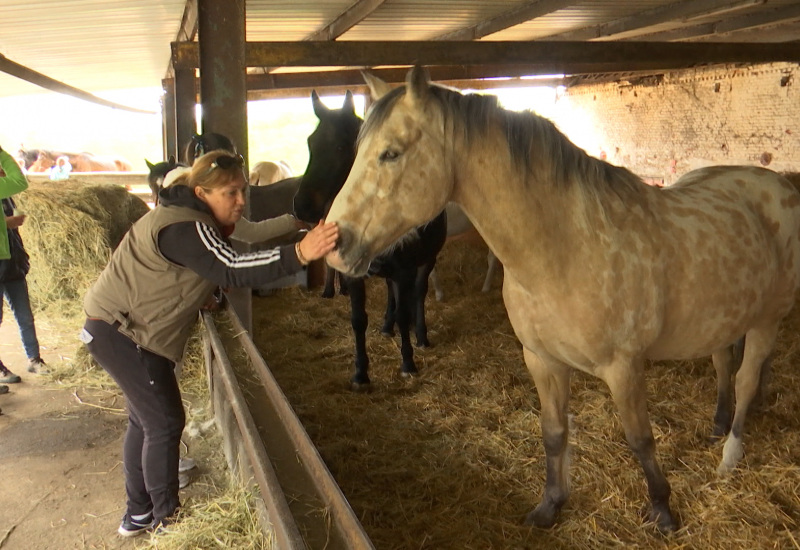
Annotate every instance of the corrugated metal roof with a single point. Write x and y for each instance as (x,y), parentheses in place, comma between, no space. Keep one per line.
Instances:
(98,45)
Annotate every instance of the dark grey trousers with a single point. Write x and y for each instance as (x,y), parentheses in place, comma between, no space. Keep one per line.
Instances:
(155,418)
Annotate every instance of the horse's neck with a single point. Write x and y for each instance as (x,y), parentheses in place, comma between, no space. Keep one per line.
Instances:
(528,224)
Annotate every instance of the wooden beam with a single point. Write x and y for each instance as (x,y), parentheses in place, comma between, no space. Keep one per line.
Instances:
(347,20)
(638,23)
(734,24)
(187,32)
(43,81)
(526,12)
(541,57)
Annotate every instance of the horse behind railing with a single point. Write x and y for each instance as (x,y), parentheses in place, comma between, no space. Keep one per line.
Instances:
(80,162)
(405,265)
(602,272)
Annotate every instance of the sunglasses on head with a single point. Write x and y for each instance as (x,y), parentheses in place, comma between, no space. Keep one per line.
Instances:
(226,162)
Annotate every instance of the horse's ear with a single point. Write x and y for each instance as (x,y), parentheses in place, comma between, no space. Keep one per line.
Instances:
(320,109)
(171,159)
(377,87)
(349,104)
(417,84)
(150,165)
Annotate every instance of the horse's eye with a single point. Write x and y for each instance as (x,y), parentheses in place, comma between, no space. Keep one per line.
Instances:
(388,155)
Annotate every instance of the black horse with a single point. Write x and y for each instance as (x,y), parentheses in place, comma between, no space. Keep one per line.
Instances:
(158,171)
(406,266)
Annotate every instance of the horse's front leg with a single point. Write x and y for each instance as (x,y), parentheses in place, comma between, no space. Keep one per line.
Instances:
(404,296)
(552,385)
(390,316)
(626,381)
(358,319)
(420,295)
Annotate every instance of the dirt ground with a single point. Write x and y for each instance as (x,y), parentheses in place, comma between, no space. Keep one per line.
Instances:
(60,454)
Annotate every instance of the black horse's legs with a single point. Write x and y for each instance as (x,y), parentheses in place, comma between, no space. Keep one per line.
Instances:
(358,320)
(724,365)
(627,383)
(552,385)
(404,292)
(420,294)
(330,283)
(391,310)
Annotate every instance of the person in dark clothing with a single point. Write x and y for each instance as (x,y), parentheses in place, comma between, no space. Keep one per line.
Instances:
(141,310)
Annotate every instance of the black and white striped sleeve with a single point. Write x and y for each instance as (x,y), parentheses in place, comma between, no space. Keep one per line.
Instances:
(199,247)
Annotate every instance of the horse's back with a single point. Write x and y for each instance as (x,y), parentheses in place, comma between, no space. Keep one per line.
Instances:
(269,201)
(268,172)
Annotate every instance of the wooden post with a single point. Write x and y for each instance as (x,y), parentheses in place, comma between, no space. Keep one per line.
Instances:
(169,135)
(185,109)
(223,93)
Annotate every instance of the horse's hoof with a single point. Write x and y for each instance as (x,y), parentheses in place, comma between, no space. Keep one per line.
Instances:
(540,519)
(360,387)
(388,333)
(327,295)
(408,373)
(664,521)
(424,344)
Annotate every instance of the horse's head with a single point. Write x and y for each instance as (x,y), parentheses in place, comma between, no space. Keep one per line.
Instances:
(200,144)
(28,156)
(158,171)
(401,177)
(44,161)
(332,149)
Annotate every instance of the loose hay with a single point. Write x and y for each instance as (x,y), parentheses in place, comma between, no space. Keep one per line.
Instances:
(453,458)
(70,230)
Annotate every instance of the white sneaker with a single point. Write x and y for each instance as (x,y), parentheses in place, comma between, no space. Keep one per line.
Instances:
(186,464)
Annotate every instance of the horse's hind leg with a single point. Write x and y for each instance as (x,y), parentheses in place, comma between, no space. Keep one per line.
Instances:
(404,296)
(330,283)
(758,347)
(390,316)
(725,365)
(552,385)
(627,385)
(491,265)
(420,295)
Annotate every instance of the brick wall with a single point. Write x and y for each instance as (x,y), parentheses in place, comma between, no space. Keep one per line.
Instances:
(662,128)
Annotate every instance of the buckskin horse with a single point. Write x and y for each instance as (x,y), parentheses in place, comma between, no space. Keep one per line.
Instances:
(602,272)
(405,264)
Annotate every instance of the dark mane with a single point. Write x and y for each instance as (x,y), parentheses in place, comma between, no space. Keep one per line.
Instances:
(533,141)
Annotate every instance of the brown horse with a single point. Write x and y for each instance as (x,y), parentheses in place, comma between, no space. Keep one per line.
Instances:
(81,162)
(602,272)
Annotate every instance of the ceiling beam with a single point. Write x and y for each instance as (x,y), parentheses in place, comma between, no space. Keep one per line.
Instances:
(638,23)
(762,19)
(541,57)
(187,30)
(347,20)
(526,12)
(43,81)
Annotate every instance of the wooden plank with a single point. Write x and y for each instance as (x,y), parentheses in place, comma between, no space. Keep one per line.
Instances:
(347,20)
(516,16)
(542,57)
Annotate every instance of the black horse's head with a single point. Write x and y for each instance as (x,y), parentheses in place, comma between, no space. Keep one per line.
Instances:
(332,150)
(201,144)
(155,178)
(29,156)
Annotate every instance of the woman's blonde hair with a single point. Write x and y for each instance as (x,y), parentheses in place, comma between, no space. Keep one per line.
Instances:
(208,173)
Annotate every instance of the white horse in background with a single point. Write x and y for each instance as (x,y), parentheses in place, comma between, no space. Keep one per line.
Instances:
(268,172)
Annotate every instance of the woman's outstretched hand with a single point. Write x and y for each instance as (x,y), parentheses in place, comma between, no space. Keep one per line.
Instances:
(318,242)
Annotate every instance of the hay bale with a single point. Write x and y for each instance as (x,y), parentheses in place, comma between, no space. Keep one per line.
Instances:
(70,231)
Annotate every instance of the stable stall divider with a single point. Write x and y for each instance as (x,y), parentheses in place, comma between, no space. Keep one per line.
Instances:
(282,523)
(287,438)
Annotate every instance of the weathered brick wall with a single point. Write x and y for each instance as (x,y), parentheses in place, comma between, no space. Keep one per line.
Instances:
(663,129)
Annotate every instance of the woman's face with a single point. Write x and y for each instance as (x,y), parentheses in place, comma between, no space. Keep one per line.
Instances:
(226,203)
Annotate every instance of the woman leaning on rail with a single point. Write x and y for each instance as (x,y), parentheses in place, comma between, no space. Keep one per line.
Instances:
(142,308)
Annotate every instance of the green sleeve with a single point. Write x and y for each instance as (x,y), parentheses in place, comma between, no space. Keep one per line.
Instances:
(14,181)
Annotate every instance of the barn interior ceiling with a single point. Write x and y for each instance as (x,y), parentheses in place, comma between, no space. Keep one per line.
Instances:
(96,45)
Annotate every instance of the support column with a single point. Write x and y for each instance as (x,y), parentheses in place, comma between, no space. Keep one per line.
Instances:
(169,135)
(223,93)
(185,109)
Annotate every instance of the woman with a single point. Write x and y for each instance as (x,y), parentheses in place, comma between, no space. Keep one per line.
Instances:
(142,308)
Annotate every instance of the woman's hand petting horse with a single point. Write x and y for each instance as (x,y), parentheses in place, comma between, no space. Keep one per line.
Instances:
(318,242)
